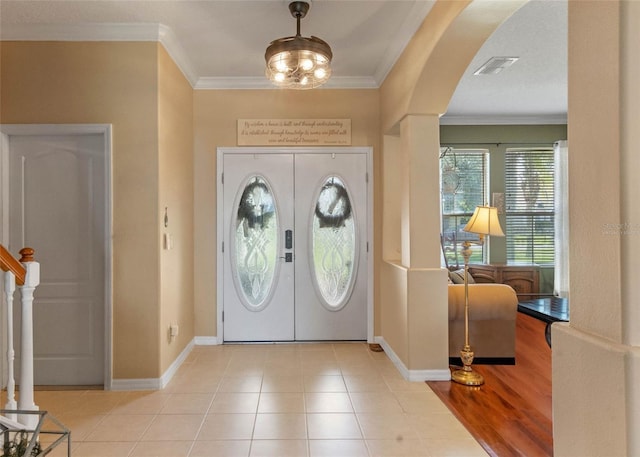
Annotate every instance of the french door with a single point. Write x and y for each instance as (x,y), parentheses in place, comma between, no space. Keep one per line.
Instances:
(295,245)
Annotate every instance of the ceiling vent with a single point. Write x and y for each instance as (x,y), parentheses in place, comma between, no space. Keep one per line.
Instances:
(495,65)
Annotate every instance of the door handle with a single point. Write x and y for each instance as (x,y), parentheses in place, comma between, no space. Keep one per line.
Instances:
(288,239)
(288,257)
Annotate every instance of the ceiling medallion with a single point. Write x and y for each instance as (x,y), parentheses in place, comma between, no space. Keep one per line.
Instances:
(298,62)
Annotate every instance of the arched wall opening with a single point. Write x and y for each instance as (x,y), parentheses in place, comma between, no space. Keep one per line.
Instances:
(413,298)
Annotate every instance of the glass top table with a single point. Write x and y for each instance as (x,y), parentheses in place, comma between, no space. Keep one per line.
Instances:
(548,309)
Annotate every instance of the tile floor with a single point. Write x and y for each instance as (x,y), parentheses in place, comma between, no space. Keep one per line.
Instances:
(266,400)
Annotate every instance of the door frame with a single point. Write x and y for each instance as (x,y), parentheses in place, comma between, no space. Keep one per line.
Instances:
(105,130)
(221,151)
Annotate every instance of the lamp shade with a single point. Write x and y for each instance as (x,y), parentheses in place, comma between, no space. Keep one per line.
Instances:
(484,221)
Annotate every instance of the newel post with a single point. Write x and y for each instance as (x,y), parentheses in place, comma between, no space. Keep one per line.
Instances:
(32,279)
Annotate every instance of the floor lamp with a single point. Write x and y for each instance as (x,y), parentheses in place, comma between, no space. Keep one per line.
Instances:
(483,222)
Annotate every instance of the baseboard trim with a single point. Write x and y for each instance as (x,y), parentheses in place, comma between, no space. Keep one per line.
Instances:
(207,341)
(412,375)
(485,361)
(154,383)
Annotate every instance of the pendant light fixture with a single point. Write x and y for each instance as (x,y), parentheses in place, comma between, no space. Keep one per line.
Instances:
(298,62)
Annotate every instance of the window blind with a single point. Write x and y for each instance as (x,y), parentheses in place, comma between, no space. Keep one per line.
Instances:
(529,201)
(463,185)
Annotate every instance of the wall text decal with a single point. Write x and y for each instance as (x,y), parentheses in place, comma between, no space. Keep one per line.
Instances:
(294,132)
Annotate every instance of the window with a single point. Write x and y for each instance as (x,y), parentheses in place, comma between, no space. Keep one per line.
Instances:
(463,186)
(529,199)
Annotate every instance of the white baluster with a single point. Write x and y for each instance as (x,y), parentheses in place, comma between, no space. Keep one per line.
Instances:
(32,279)
(9,288)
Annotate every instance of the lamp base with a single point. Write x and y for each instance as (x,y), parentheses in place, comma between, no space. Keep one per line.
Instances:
(467,377)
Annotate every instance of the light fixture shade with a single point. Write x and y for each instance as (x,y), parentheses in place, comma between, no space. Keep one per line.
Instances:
(298,62)
(484,221)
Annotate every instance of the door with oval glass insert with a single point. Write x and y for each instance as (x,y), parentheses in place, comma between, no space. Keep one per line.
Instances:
(331,236)
(258,283)
(295,260)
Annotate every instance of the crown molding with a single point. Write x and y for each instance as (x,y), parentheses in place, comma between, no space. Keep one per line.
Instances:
(489,119)
(409,28)
(105,32)
(81,32)
(163,34)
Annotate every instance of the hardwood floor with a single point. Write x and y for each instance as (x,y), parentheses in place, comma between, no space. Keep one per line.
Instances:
(510,415)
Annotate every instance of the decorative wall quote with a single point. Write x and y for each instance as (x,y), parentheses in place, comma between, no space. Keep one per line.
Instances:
(294,132)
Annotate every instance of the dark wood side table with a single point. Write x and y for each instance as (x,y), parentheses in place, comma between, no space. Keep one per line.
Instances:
(525,279)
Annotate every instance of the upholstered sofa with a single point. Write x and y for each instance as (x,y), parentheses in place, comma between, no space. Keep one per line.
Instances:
(492,322)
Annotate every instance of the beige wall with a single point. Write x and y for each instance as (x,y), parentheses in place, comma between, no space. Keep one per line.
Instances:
(215,116)
(175,132)
(112,83)
(596,358)
(414,95)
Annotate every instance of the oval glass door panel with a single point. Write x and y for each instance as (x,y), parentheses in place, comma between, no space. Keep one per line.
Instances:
(255,244)
(334,244)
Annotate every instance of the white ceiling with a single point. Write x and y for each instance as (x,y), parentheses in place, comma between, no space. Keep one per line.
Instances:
(221,44)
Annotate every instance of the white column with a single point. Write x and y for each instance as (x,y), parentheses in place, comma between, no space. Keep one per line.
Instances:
(25,400)
(9,289)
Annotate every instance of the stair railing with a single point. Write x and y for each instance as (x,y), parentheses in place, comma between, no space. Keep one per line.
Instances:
(26,274)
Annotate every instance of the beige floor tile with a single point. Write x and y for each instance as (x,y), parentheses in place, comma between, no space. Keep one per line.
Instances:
(376,426)
(324,384)
(338,448)
(141,403)
(425,402)
(98,402)
(364,383)
(279,448)
(57,402)
(361,369)
(240,384)
(244,369)
(280,427)
(96,449)
(328,402)
(279,383)
(329,368)
(398,448)
(438,426)
(226,448)
(289,399)
(375,402)
(183,403)
(281,402)
(174,427)
(233,402)
(162,449)
(79,424)
(282,368)
(192,384)
(455,448)
(128,427)
(333,427)
(227,427)
(62,450)
(283,354)
(397,383)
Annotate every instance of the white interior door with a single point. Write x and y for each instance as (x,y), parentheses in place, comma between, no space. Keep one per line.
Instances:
(57,206)
(295,246)
(258,273)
